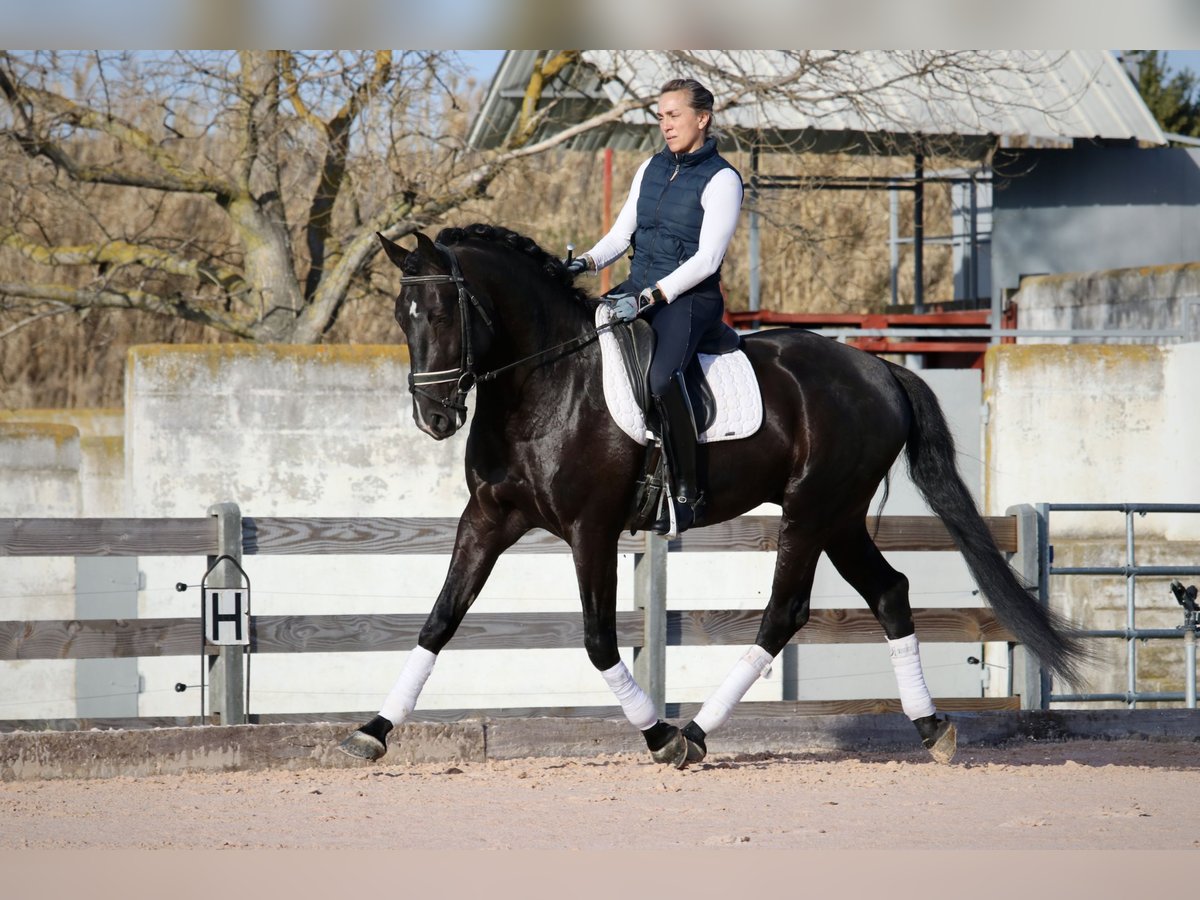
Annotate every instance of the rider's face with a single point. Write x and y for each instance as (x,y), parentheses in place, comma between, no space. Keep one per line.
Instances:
(681,126)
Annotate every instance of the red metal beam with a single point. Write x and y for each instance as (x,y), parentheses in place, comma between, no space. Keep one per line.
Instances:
(971,318)
(956,318)
(888,345)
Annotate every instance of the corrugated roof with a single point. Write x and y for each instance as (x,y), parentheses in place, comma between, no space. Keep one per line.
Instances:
(837,100)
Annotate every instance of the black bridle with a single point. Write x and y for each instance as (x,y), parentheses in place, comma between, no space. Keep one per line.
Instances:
(465,376)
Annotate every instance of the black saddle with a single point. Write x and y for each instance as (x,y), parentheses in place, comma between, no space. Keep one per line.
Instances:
(636,342)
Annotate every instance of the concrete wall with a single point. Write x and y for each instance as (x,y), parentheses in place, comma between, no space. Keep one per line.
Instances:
(101,437)
(1094,424)
(88,422)
(1147,298)
(1103,424)
(87,474)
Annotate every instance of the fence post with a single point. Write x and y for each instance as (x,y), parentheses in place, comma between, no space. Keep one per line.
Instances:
(650,596)
(227,677)
(1024,669)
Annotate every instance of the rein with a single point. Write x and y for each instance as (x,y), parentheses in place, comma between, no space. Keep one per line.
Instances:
(465,375)
(567,348)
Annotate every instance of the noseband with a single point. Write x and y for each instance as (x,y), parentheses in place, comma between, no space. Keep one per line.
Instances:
(464,375)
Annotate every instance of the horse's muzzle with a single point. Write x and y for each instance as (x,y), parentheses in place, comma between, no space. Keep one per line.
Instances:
(437,422)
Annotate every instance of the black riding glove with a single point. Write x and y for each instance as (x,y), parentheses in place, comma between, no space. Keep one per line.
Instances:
(576,266)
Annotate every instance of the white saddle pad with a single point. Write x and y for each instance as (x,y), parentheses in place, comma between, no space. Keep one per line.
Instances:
(739,403)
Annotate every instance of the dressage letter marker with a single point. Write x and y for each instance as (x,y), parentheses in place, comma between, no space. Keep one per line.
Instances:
(226,616)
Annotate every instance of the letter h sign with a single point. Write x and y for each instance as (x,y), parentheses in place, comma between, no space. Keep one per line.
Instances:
(227,616)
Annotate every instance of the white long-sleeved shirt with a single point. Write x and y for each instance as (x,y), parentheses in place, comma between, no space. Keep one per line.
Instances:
(721,200)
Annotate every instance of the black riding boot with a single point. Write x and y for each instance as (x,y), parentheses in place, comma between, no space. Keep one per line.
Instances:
(678,432)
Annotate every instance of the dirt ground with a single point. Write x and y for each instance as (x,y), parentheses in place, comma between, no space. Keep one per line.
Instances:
(1073,795)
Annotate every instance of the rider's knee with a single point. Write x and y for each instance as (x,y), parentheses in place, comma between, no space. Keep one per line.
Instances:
(660,382)
(661,379)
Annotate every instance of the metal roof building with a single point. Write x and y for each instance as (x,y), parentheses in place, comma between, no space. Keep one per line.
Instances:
(826,101)
(964,105)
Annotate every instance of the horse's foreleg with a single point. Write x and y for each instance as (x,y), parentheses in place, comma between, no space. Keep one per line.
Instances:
(786,613)
(859,561)
(479,542)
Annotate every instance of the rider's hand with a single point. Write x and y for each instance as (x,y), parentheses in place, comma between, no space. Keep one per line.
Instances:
(576,266)
(624,306)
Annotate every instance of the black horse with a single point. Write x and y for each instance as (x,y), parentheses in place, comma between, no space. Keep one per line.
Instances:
(488,309)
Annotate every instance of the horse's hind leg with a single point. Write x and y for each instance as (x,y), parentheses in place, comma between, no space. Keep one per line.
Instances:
(596,568)
(785,614)
(859,561)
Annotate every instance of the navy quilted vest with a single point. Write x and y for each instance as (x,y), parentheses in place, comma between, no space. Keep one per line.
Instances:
(669,214)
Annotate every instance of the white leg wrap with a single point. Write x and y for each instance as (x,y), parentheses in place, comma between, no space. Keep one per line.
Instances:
(717,709)
(638,708)
(906,661)
(403,698)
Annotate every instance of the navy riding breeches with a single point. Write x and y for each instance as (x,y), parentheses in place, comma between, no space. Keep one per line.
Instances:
(678,327)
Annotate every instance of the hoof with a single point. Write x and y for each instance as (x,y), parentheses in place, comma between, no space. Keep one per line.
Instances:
(944,744)
(363,746)
(697,749)
(674,752)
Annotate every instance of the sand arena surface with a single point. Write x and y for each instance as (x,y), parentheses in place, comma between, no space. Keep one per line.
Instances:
(1070,795)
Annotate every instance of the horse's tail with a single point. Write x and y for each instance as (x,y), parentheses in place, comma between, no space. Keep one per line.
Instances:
(932,466)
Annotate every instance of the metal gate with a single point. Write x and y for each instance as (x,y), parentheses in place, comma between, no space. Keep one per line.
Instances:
(1131,634)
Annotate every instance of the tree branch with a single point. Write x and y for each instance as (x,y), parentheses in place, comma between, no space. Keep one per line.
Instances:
(543,71)
(172,175)
(404,217)
(613,114)
(55,310)
(333,170)
(172,307)
(122,253)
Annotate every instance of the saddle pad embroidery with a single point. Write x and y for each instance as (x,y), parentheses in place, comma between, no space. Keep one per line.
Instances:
(739,403)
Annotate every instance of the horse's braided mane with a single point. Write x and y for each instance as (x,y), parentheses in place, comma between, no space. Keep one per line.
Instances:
(550,265)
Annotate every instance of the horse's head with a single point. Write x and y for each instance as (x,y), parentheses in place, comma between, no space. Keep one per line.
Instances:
(441,320)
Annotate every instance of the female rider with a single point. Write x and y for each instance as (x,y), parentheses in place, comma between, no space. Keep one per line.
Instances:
(680,215)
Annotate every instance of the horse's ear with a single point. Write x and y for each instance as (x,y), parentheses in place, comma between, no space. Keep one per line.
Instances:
(426,247)
(395,252)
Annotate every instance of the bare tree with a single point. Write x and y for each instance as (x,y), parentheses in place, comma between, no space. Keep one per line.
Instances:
(228,189)
(242,190)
